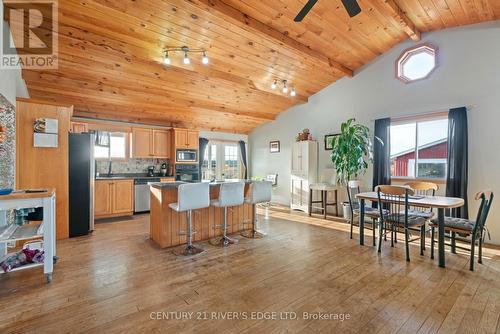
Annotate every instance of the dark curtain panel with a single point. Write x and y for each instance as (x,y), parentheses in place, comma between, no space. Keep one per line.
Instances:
(203,147)
(458,159)
(243,150)
(102,138)
(382,153)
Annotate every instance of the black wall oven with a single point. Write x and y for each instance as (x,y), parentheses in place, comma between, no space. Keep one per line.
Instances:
(187,172)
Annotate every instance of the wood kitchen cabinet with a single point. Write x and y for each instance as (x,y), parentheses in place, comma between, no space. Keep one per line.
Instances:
(113,198)
(79,127)
(186,139)
(161,143)
(150,143)
(141,143)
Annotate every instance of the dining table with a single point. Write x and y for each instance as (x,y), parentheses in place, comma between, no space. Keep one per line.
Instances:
(441,203)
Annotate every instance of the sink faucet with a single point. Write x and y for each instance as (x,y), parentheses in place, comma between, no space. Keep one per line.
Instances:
(110,166)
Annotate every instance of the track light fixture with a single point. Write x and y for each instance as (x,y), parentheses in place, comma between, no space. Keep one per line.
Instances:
(274,84)
(166,59)
(186,50)
(286,87)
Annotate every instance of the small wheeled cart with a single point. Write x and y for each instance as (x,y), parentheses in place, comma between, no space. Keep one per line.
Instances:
(45,199)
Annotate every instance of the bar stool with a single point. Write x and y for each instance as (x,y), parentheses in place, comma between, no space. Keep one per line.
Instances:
(191,196)
(324,188)
(261,192)
(230,194)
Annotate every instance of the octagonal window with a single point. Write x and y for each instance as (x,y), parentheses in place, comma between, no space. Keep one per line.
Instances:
(416,63)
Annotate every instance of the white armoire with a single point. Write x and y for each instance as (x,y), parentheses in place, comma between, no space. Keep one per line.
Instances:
(304,173)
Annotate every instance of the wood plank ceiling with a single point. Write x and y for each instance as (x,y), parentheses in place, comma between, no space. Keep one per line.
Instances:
(110,54)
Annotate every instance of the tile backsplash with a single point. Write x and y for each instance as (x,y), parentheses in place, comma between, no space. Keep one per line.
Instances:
(129,166)
(7,143)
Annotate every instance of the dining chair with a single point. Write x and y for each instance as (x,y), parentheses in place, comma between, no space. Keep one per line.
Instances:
(395,200)
(467,228)
(354,188)
(425,189)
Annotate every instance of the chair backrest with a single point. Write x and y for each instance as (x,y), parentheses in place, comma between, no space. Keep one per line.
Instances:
(423,188)
(353,188)
(231,193)
(394,199)
(486,198)
(273,178)
(261,192)
(193,196)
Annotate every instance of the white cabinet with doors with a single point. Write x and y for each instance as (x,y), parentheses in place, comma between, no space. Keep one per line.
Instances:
(304,173)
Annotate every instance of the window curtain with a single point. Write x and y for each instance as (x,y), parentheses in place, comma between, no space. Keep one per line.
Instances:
(102,138)
(457,173)
(381,153)
(243,151)
(203,147)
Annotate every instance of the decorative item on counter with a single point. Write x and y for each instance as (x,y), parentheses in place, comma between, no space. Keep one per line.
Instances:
(163,169)
(6,191)
(274,146)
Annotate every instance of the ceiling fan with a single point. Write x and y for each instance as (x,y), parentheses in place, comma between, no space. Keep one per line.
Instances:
(351,6)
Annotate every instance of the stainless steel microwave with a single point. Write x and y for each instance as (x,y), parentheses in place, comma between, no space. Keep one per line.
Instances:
(186,156)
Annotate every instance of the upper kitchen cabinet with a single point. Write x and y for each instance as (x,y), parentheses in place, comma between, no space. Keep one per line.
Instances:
(186,139)
(79,127)
(161,143)
(150,143)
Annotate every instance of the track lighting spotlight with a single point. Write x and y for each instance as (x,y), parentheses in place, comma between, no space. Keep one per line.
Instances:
(204,59)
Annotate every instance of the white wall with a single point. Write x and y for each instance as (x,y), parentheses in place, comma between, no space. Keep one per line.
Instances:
(12,84)
(468,75)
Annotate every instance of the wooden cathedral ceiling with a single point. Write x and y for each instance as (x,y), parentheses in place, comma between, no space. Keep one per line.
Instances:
(110,54)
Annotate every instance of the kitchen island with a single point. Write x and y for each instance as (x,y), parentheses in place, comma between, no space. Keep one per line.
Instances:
(166,224)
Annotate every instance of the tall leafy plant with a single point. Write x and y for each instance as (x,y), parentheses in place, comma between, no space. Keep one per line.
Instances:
(352,151)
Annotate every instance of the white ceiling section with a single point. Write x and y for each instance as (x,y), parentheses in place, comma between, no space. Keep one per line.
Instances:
(468,75)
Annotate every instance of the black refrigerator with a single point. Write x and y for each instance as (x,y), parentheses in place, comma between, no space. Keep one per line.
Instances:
(81,184)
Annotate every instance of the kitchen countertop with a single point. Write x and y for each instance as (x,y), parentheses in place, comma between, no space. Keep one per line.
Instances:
(167,185)
(129,176)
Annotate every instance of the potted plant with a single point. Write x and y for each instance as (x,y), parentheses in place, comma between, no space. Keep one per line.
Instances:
(352,151)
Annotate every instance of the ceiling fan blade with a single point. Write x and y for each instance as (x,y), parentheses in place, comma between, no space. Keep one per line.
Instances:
(352,7)
(309,5)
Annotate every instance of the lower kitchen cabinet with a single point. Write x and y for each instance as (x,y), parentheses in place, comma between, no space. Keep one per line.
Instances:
(113,198)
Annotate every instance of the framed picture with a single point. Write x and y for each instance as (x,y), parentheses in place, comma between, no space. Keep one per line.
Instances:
(328,141)
(274,146)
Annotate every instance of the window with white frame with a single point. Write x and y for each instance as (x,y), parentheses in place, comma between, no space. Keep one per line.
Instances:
(419,148)
(118,147)
(222,160)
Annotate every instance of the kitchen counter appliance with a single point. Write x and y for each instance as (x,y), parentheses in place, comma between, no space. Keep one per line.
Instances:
(142,193)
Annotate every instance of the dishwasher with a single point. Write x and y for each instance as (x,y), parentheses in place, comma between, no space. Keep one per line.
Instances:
(142,193)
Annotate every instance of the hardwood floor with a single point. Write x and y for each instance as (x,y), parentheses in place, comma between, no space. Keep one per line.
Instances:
(117,279)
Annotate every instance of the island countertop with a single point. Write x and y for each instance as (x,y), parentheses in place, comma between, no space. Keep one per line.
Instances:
(176,184)
(166,224)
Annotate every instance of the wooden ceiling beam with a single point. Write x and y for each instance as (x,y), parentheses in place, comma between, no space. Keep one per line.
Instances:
(404,21)
(239,18)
